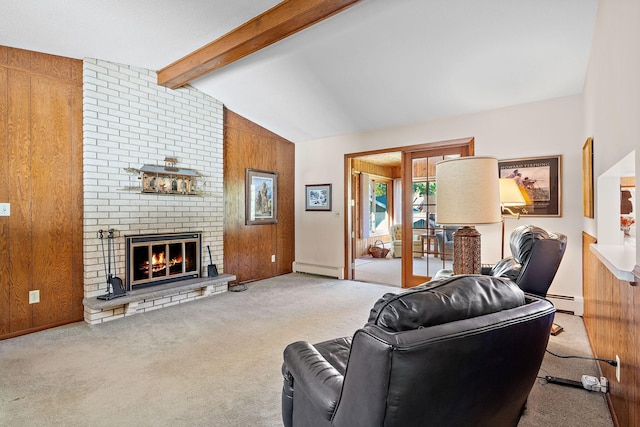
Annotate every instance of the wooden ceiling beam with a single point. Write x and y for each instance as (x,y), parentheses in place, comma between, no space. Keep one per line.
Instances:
(277,23)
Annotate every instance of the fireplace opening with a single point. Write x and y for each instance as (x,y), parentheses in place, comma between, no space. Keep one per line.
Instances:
(154,259)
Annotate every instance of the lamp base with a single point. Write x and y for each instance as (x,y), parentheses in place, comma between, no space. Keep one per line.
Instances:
(466,251)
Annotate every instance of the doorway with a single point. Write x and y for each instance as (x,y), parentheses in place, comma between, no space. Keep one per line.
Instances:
(389,194)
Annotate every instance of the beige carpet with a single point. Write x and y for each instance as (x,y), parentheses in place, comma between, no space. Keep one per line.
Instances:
(388,270)
(216,362)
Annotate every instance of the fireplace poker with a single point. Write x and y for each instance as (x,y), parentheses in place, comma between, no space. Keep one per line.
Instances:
(115,288)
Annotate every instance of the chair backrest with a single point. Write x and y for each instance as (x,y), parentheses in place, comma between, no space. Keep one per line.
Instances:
(538,255)
(441,343)
(396,232)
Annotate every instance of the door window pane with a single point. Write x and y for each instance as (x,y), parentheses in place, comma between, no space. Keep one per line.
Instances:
(379,207)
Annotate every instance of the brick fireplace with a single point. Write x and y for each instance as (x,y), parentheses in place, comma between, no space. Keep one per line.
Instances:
(130,121)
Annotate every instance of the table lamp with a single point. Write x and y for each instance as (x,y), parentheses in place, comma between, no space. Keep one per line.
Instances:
(467,194)
(510,197)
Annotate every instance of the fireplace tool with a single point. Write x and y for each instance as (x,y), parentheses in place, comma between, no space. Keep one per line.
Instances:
(115,287)
(212,270)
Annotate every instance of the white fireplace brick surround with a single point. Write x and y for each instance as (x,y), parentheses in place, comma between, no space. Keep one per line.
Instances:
(129,121)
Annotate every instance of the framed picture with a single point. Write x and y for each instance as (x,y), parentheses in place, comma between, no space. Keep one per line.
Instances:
(539,179)
(261,197)
(587,178)
(318,197)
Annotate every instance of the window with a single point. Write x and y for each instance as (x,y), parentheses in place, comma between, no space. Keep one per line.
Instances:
(423,202)
(379,206)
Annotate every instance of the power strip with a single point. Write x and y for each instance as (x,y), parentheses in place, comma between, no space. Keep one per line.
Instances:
(562,381)
(588,382)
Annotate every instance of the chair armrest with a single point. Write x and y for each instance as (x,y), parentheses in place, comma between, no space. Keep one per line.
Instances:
(442,274)
(485,269)
(321,382)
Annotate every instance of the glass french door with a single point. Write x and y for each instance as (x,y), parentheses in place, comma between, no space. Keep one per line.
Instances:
(425,252)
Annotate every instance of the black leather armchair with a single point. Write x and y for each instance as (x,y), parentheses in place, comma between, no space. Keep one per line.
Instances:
(464,350)
(535,259)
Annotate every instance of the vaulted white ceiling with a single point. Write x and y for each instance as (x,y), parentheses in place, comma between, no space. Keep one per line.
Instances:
(378,64)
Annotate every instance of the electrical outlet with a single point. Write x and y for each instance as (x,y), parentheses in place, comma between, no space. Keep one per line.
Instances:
(273,258)
(618,368)
(5,209)
(34,297)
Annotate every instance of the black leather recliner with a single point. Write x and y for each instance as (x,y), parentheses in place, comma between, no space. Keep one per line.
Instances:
(459,351)
(535,259)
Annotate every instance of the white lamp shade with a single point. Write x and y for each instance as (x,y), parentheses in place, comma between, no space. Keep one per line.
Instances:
(510,194)
(467,191)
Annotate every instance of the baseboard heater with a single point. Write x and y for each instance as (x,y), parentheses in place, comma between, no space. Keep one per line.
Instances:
(567,304)
(319,270)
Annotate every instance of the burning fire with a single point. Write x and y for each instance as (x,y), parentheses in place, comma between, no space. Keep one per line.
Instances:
(158,262)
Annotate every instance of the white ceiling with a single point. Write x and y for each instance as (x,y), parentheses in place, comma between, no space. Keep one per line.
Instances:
(378,64)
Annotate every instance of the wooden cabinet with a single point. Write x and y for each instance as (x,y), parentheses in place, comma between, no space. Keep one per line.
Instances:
(41,164)
(612,319)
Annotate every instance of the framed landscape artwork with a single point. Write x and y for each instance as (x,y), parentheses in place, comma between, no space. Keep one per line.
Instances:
(318,197)
(539,179)
(261,197)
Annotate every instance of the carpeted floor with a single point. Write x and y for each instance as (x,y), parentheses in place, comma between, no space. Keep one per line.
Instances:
(388,270)
(216,362)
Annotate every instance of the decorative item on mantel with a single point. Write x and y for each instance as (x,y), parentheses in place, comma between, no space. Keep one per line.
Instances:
(167,179)
(625,224)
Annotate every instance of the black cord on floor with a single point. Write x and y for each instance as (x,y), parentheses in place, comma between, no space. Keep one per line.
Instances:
(610,362)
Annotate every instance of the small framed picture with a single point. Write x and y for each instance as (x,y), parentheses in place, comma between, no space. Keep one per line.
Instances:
(318,197)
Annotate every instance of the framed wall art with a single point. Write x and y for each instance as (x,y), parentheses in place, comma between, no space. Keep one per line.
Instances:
(587,178)
(539,179)
(317,197)
(261,197)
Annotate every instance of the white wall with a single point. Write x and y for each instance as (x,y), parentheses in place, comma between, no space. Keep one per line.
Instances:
(612,90)
(553,127)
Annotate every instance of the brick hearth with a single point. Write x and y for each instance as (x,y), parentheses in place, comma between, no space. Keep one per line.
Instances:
(154,298)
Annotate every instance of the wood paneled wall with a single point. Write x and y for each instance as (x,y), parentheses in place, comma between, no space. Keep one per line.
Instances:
(612,320)
(41,164)
(390,172)
(248,248)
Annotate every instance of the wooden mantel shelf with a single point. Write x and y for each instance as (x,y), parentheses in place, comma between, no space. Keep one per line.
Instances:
(133,298)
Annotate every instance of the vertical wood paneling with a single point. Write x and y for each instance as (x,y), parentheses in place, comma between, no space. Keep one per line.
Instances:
(390,172)
(612,320)
(3,55)
(41,148)
(285,230)
(5,307)
(76,189)
(20,265)
(51,211)
(18,58)
(248,248)
(55,67)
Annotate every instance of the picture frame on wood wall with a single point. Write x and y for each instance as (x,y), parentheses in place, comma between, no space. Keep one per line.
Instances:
(261,197)
(317,197)
(540,181)
(587,178)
